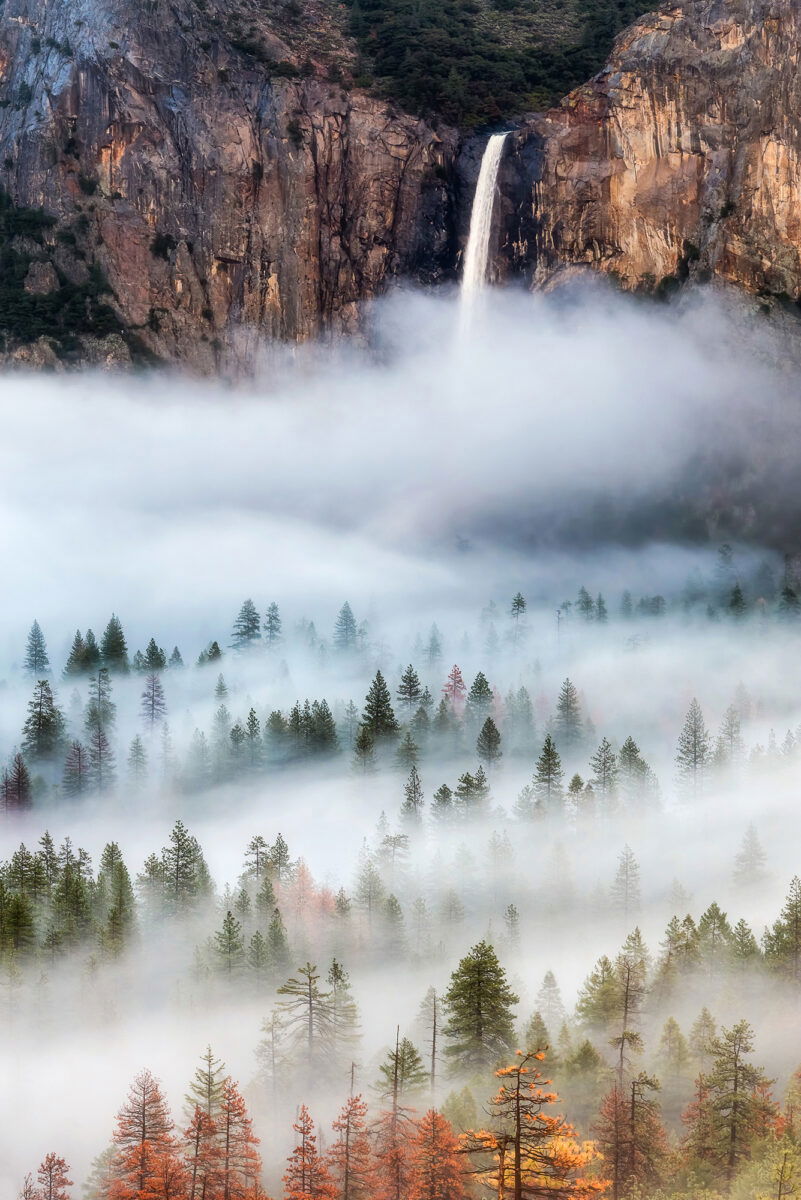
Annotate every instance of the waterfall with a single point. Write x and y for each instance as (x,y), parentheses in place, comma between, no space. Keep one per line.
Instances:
(478,241)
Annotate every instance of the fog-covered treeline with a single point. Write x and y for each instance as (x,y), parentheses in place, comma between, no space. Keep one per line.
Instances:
(399,790)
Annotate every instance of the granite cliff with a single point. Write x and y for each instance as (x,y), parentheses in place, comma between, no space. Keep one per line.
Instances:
(181,178)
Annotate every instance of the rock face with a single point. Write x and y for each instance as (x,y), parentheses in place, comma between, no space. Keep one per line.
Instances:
(683,157)
(214,177)
(211,168)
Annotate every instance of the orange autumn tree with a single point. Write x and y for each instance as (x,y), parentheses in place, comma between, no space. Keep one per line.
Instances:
(145,1165)
(529,1152)
(437,1170)
(52,1178)
(202,1155)
(349,1156)
(307,1176)
(239,1162)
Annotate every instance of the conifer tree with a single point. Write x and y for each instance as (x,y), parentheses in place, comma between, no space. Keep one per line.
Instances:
(247,627)
(349,1158)
(693,752)
(15,787)
(201,1154)
(143,1139)
(548,777)
(76,770)
(549,1002)
(277,945)
(272,625)
(402,1075)
(412,807)
(229,946)
(137,762)
(239,1162)
(101,761)
(345,632)
(176,661)
(153,704)
(631,1137)
(113,648)
(407,753)
(625,891)
(43,731)
(782,942)
(479,701)
(36,664)
(53,1178)
(409,689)
(454,690)
(478,1002)
(364,750)
(749,865)
(568,724)
(604,774)
(101,711)
(437,1169)
(434,647)
(307,1176)
(76,664)
(488,743)
(442,807)
(534,1154)
(378,718)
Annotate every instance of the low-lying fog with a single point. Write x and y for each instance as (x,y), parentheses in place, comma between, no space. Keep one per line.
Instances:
(600,443)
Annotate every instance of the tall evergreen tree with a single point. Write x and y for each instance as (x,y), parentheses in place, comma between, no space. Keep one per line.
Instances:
(378,717)
(114,649)
(488,743)
(693,751)
(247,627)
(568,723)
(76,770)
(43,731)
(37,664)
(478,1002)
(272,625)
(548,778)
(152,702)
(409,689)
(345,631)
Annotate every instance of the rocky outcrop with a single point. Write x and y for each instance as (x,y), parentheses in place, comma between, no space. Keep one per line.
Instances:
(207,162)
(682,158)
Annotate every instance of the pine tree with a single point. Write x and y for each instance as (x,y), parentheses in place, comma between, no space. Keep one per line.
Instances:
(272,625)
(364,750)
(533,1154)
(454,690)
(101,711)
(409,689)
(749,865)
(186,879)
(378,718)
(176,661)
(247,627)
(693,752)
(345,632)
(437,1170)
(153,704)
(568,724)
(53,1180)
(548,777)
(239,1165)
(201,1153)
(625,891)
(549,1002)
(277,945)
(229,946)
(412,807)
(407,753)
(434,648)
(16,788)
(76,770)
(307,1176)
(101,761)
(604,774)
(137,762)
(479,701)
(349,1158)
(782,942)
(488,743)
(76,660)
(480,1026)
(113,648)
(631,1138)
(43,731)
(442,806)
(37,664)
(402,1075)
(143,1139)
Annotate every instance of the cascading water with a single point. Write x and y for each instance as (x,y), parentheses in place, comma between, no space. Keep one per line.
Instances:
(478,241)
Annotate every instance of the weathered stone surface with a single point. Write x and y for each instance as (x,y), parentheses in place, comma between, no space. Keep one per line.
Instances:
(212,191)
(682,156)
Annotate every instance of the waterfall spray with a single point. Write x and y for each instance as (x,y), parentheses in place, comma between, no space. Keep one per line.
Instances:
(478,241)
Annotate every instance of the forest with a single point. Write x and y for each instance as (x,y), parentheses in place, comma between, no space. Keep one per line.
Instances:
(498,980)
